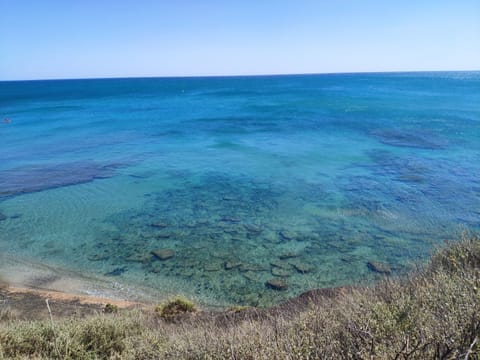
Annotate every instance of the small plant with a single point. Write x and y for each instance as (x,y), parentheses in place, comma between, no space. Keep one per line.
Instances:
(110,309)
(458,256)
(175,307)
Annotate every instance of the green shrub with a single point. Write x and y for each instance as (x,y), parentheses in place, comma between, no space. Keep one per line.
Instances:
(110,309)
(175,307)
(457,256)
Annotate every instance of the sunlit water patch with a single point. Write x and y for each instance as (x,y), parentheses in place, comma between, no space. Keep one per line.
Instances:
(239,190)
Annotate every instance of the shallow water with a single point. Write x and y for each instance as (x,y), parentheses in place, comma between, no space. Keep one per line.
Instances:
(246,179)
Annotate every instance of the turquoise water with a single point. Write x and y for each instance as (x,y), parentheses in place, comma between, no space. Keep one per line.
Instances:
(303,179)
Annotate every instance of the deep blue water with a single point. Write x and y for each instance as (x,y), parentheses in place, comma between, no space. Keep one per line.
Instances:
(246,179)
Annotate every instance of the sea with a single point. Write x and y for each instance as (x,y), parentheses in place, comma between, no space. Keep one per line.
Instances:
(239,190)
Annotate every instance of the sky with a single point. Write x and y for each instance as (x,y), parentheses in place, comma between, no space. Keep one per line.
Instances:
(51,39)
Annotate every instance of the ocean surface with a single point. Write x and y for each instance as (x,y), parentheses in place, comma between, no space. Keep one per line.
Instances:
(250,190)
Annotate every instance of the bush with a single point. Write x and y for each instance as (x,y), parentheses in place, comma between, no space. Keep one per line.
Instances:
(175,307)
(110,309)
(458,256)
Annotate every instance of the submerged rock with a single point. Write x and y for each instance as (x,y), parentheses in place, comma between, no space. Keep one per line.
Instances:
(276,271)
(141,257)
(229,265)
(251,276)
(231,219)
(288,235)
(277,284)
(348,258)
(98,257)
(411,178)
(302,267)
(188,273)
(270,237)
(163,254)
(159,224)
(163,235)
(253,267)
(379,267)
(413,139)
(252,228)
(281,264)
(288,255)
(117,271)
(231,230)
(3,217)
(27,179)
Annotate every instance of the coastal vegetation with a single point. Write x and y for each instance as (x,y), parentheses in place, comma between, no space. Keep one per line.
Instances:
(433,312)
(175,307)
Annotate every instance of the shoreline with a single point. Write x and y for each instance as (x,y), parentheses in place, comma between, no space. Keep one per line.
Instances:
(80,299)
(25,286)
(31,304)
(22,276)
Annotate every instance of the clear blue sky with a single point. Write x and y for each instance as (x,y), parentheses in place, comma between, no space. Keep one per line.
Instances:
(42,39)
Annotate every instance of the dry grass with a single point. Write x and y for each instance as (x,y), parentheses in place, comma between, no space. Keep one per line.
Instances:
(431,314)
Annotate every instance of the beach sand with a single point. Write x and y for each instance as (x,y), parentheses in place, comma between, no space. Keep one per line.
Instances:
(27,286)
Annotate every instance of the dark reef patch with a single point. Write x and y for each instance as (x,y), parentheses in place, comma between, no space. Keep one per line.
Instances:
(28,179)
(405,138)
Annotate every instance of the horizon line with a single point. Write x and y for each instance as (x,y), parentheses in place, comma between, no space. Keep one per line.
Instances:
(239,75)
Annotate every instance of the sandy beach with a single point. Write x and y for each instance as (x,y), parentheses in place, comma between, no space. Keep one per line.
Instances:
(26,285)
